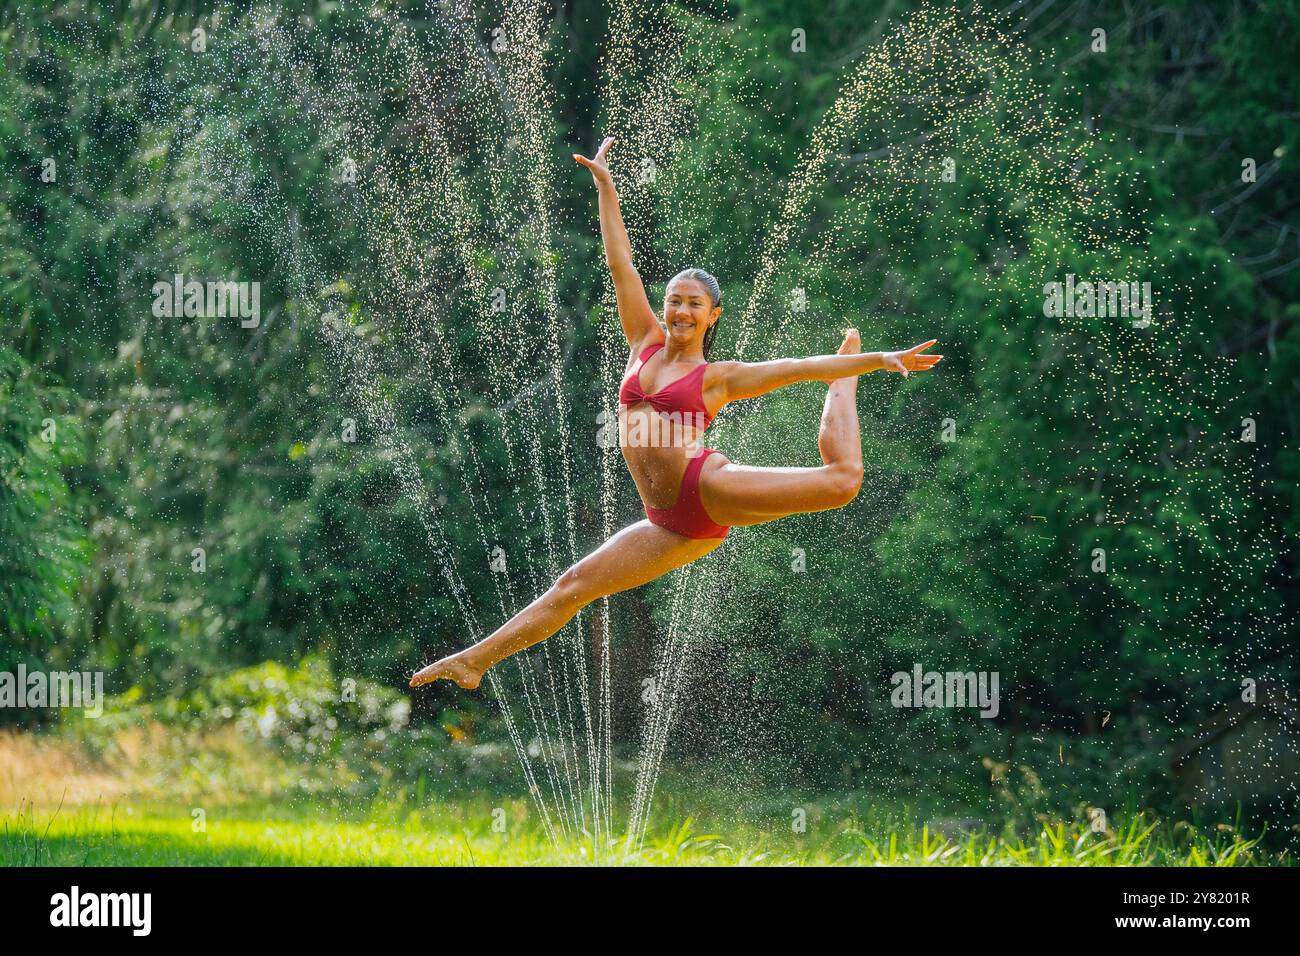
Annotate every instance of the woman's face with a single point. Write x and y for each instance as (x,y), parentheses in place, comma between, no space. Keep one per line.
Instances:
(688,311)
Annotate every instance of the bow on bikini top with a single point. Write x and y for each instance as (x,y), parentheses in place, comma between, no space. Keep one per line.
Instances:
(684,396)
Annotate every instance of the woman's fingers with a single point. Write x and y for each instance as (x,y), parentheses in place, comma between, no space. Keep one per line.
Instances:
(597,165)
(909,360)
(596,161)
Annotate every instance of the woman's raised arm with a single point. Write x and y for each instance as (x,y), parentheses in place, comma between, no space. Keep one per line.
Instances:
(640,324)
(751,379)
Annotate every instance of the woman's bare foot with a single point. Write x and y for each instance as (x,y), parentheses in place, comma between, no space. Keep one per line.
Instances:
(847,386)
(449,668)
(852,343)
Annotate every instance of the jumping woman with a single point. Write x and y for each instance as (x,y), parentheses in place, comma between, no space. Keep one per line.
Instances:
(692,495)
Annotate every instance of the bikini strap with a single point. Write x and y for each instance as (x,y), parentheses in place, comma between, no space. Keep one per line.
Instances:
(650,350)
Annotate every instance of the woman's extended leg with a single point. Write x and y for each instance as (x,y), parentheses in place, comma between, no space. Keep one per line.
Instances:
(636,555)
(744,495)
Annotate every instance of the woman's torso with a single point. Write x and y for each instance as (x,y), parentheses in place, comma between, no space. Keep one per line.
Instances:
(662,418)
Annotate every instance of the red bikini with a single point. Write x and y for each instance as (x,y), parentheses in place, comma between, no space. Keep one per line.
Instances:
(684,397)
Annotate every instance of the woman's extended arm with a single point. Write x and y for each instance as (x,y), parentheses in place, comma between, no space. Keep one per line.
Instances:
(639,321)
(750,379)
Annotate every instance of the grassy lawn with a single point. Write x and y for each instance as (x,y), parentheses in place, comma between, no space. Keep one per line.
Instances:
(461,834)
(58,808)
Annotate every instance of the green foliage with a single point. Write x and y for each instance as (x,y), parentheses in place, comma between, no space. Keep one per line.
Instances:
(46,548)
(305,705)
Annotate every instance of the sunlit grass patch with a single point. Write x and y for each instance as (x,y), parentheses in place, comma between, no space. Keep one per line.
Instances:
(462,834)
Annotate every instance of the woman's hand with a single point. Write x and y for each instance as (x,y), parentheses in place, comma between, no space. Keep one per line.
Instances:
(910,360)
(597,165)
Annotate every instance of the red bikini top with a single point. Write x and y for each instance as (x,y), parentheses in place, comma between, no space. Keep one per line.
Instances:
(684,396)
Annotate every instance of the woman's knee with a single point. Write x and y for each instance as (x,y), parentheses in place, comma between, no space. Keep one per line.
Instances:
(573,587)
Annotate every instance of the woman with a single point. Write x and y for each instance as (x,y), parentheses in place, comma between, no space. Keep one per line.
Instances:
(692,495)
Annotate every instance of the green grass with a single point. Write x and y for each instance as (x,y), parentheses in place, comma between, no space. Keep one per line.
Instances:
(461,834)
(252,815)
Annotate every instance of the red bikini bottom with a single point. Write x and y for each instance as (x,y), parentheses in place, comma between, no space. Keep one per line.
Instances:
(688,517)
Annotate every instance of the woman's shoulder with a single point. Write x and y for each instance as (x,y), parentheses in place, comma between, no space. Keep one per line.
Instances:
(716,375)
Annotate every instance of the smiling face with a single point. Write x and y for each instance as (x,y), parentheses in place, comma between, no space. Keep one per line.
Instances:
(688,311)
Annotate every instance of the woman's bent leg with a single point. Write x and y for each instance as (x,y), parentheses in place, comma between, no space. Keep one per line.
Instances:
(634,556)
(839,437)
(744,495)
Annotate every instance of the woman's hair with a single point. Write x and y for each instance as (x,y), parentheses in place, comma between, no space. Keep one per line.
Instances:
(715,293)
